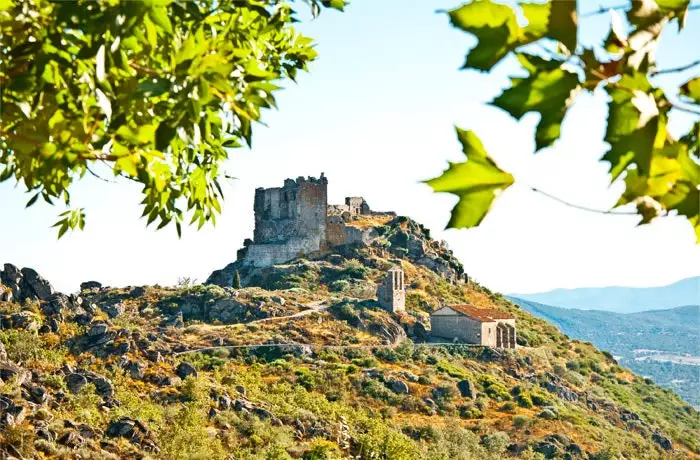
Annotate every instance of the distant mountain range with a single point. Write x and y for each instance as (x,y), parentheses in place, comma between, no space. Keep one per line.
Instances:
(622,299)
(661,344)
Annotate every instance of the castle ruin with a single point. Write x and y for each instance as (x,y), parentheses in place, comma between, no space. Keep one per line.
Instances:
(295,220)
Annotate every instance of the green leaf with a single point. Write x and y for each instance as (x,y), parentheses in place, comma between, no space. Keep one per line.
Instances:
(548,92)
(335,4)
(691,90)
(635,125)
(476,182)
(33,200)
(555,19)
(159,16)
(495,27)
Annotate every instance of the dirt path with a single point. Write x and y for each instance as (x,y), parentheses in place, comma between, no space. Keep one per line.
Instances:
(313,307)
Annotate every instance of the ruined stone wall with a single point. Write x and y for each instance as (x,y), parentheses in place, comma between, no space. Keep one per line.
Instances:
(289,221)
(339,234)
(296,210)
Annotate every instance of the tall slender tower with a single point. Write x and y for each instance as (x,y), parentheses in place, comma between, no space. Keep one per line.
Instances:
(392,292)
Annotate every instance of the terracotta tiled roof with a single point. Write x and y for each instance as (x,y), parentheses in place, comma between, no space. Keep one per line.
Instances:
(481,314)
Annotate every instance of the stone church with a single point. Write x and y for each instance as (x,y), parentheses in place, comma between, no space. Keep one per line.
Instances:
(481,326)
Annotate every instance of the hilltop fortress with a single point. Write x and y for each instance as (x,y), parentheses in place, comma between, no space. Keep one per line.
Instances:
(296,219)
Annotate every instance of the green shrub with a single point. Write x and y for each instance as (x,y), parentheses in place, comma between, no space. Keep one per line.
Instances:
(452,370)
(539,398)
(508,406)
(524,400)
(338,285)
(305,378)
(521,421)
(496,443)
(322,449)
(470,413)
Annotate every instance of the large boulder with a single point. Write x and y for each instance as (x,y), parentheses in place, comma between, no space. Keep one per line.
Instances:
(113,310)
(663,441)
(398,386)
(90,285)
(35,285)
(185,370)
(75,382)
(467,389)
(10,370)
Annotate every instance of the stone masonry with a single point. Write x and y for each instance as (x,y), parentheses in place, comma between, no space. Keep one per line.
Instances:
(489,327)
(289,221)
(295,220)
(392,292)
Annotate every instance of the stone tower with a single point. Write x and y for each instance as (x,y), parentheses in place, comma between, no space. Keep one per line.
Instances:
(392,292)
(289,221)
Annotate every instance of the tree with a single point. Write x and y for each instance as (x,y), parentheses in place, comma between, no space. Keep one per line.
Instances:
(661,173)
(236,284)
(154,91)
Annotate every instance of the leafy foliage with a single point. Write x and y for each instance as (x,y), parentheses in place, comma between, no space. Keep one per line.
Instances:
(154,91)
(661,173)
(475,181)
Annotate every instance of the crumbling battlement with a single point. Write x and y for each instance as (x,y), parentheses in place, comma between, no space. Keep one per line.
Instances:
(295,220)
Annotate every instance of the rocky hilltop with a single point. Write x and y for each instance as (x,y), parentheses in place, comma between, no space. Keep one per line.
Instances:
(299,361)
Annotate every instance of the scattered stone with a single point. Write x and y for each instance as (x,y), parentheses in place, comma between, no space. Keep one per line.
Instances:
(75,382)
(103,386)
(467,389)
(136,369)
(25,320)
(71,439)
(277,299)
(98,328)
(175,320)
(10,370)
(37,394)
(3,352)
(12,414)
(398,386)
(185,370)
(122,348)
(90,285)
(45,434)
(663,441)
(241,390)
(410,376)
(154,356)
(114,310)
(548,413)
(56,305)
(53,324)
(242,405)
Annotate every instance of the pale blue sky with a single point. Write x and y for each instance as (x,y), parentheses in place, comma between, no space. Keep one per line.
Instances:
(376,114)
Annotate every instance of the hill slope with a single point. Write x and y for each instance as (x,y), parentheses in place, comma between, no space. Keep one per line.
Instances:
(660,344)
(301,363)
(622,299)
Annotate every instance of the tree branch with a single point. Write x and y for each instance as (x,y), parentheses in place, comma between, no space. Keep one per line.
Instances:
(676,69)
(583,208)
(603,10)
(684,108)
